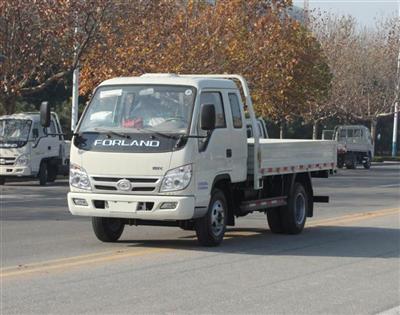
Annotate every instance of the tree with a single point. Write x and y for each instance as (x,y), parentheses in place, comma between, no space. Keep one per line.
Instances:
(254,38)
(363,63)
(40,44)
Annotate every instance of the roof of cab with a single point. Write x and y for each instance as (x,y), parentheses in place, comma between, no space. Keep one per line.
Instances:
(27,115)
(173,79)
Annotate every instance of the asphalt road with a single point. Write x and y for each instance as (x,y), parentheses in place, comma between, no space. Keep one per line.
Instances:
(345,262)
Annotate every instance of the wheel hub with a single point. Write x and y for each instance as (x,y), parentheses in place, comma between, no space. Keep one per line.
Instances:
(217,218)
(300,208)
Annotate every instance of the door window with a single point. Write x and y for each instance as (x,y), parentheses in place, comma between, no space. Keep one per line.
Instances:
(215,98)
(235,109)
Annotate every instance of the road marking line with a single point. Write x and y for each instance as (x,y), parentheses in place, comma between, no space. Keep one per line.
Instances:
(107,256)
(355,217)
(75,261)
(389,185)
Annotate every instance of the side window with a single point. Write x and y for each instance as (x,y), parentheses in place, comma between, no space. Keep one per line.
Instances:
(235,109)
(350,133)
(35,131)
(357,133)
(216,99)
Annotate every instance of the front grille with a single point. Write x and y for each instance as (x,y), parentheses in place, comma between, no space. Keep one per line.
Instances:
(132,180)
(139,184)
(7,160)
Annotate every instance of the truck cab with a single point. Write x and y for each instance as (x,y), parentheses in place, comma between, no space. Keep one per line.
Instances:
(29,150)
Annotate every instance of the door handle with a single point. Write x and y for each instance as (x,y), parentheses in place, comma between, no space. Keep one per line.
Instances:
(228,153)
(48,148)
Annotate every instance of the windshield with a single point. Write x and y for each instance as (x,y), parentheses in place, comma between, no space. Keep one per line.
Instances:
(145,108)
(14,130)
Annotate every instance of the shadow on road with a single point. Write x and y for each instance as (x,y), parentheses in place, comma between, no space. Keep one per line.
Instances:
(329,241)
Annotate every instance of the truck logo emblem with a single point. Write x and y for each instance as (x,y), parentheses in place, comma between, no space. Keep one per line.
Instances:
(124,185)
(127,143)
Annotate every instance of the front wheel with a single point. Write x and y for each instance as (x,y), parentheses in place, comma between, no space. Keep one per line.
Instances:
(52,171)
(43,174)
(2,181)
(107,229)
(210,229)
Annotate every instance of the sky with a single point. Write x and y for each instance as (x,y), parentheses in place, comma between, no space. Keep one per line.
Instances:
(365,11)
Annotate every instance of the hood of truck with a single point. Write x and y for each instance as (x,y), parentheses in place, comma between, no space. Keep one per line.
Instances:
(123,164)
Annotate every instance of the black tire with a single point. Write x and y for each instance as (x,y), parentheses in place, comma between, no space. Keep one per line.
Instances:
(210,229)
(274,220)
(52,173)
(108,229)
(351,162)
(43,174)
(340,162)
(2,181)
(367,162)
(294,214)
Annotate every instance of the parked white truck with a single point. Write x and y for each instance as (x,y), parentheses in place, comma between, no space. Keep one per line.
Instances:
(172,150)
(355,145)
(29,150)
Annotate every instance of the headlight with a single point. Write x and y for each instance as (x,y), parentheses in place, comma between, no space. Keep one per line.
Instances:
(177,178)
(78,177)
(22,160)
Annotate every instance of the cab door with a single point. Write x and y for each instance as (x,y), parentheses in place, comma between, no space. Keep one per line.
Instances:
(215,151)
(44,146)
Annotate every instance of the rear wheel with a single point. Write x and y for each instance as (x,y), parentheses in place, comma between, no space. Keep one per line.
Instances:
(294,214)
(351,162)
(107,229)
(210,229)
(275,220)
(367,162)
(43,174)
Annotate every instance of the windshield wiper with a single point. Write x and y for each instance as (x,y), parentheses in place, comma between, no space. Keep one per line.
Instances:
(112,132)
(159,133)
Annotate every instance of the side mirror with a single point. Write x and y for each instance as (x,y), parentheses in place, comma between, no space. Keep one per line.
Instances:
(207,118)
(45,114)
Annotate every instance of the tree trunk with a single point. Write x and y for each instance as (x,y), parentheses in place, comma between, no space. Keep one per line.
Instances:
(315,130)
(373,129)
(9,103)
(281,128)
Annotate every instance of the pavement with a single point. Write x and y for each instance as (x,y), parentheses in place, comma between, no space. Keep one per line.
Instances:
(345,262)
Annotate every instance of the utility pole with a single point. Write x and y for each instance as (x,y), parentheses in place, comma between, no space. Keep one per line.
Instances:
(306,13)
(396,104)
(75,82)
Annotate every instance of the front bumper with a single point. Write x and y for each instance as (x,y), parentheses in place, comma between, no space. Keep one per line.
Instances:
(11,170)
(145,207)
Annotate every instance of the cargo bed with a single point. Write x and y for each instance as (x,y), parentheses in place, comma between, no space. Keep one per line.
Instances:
(284,156)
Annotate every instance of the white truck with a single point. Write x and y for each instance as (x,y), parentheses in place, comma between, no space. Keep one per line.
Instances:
(172,150)
(355,145)
(29,150)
